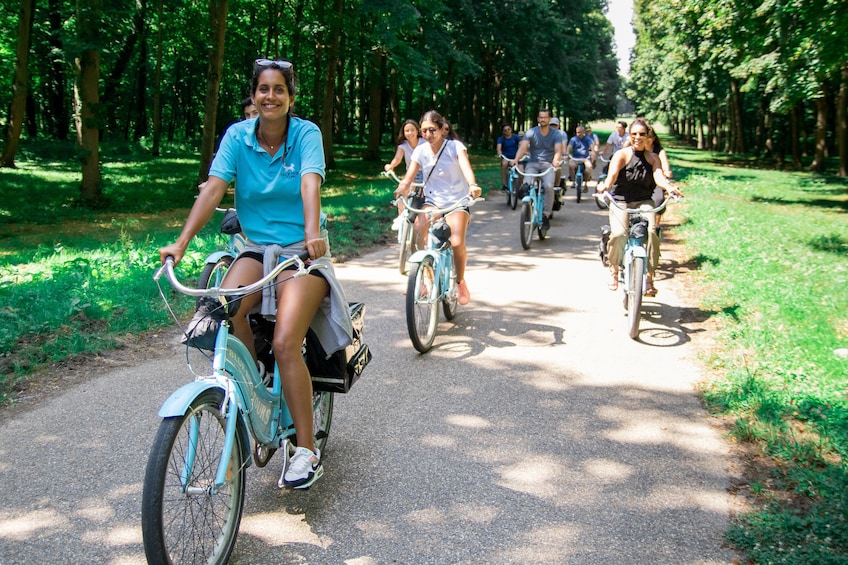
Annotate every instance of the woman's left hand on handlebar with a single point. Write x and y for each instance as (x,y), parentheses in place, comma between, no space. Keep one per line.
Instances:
(317,247)
(475,191)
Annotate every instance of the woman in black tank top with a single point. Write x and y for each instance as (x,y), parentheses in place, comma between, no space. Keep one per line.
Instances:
(633,174)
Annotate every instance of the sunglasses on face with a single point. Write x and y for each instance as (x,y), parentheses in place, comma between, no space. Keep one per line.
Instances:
(429,130)
(265,63)
(639,134)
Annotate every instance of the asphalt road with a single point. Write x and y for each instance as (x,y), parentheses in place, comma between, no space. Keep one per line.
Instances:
(535,431)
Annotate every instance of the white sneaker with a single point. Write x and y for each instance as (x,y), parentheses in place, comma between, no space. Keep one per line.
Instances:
(304,469)
(397,223)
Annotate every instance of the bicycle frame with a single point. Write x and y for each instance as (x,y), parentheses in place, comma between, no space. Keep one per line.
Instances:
(535,200)
(441,252)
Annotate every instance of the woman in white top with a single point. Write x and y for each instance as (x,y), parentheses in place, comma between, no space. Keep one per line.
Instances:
(447,178)
(407,140)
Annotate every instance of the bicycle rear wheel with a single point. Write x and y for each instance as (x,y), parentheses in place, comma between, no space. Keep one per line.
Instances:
(634,295)
(213,273)
(422,304)
(526,224)
(322,417)
(515,187)
(183,519)
(405,241)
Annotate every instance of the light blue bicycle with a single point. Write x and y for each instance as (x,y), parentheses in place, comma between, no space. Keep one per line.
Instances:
(194,484)
(432,278)
(533,209)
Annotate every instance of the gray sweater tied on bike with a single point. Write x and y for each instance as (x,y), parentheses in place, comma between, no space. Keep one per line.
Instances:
(331,323)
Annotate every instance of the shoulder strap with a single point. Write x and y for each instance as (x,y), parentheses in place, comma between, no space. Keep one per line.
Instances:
(445,144)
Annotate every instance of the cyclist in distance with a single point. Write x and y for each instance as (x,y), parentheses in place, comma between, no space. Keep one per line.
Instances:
(633,174)
(596,143)
(407,140)
(279,161)
(248,108)
(616,140)
(447,178)
(555,123)
(507,146)
(583,150)
(545,148)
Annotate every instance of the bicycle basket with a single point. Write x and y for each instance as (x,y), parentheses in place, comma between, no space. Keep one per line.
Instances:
(230,225)
(339,371)
(639,229)
(441,231)
(203,326)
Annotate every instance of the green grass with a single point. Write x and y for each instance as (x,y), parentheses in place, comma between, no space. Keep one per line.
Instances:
(66,272)
(772,254)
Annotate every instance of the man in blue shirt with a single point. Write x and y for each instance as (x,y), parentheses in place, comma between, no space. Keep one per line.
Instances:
(583,149)
(545,147)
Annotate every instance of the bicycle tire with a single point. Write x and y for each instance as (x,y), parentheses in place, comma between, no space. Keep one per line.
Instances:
(508,196)
(526,224)
(322,417)
(422,317)
(578,186)
(634,298)
(190,523)
(213,273)
(450,301)
(405,240)
(515,186)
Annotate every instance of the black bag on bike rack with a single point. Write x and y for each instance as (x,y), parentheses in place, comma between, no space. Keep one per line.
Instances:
(203,326)
(230,225)
(338,372)
(523,191)
(639,229)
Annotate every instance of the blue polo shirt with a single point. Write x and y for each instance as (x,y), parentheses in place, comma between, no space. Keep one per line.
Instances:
(268,198)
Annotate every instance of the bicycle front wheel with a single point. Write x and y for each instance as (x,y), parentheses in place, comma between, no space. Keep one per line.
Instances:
(184,519)
(526,224)
(405,240)
(422,304)
(578,186)
(634,292)
(515,186)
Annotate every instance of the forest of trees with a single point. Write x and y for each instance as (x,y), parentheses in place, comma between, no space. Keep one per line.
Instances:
(156,71)
(761,77)
(743,76)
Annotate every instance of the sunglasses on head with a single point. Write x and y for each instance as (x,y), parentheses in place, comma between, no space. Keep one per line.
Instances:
(264,63)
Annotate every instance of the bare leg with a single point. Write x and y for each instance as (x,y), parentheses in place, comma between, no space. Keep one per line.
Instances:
(297,301)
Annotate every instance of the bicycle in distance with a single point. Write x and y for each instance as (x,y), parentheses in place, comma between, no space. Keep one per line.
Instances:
(406,227)
(194,483)
(513,182)
(601,203)
(633,270)
(432,278)
(579,182)
(533,208)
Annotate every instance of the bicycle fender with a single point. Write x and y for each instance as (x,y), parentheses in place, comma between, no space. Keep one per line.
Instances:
(527,199)
(419,255)
(214,257)
(639,251)
(180,400)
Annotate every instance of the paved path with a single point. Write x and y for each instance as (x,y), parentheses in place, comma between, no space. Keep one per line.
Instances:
(535,431)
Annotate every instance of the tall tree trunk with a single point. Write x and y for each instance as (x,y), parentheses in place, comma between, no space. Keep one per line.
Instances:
(821,133)
(217,31)
(795,135)
(141,126)
(842,122)
(375,89)
(88,101)
(157,83)
(57,110)
(738,126)
(328,106)
(19,85)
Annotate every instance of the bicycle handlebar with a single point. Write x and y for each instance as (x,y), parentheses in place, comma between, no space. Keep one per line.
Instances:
(466,200)
(393,176)
(607,197)
(543,173)
(299,260)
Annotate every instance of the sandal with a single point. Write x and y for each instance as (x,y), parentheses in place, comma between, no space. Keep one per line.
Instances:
(612,284)
(649,287)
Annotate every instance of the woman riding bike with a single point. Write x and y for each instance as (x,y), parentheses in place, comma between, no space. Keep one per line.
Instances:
(633,174)
(447,178)
(279,161)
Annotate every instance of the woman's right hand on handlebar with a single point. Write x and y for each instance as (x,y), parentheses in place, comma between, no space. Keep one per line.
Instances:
(174,250)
